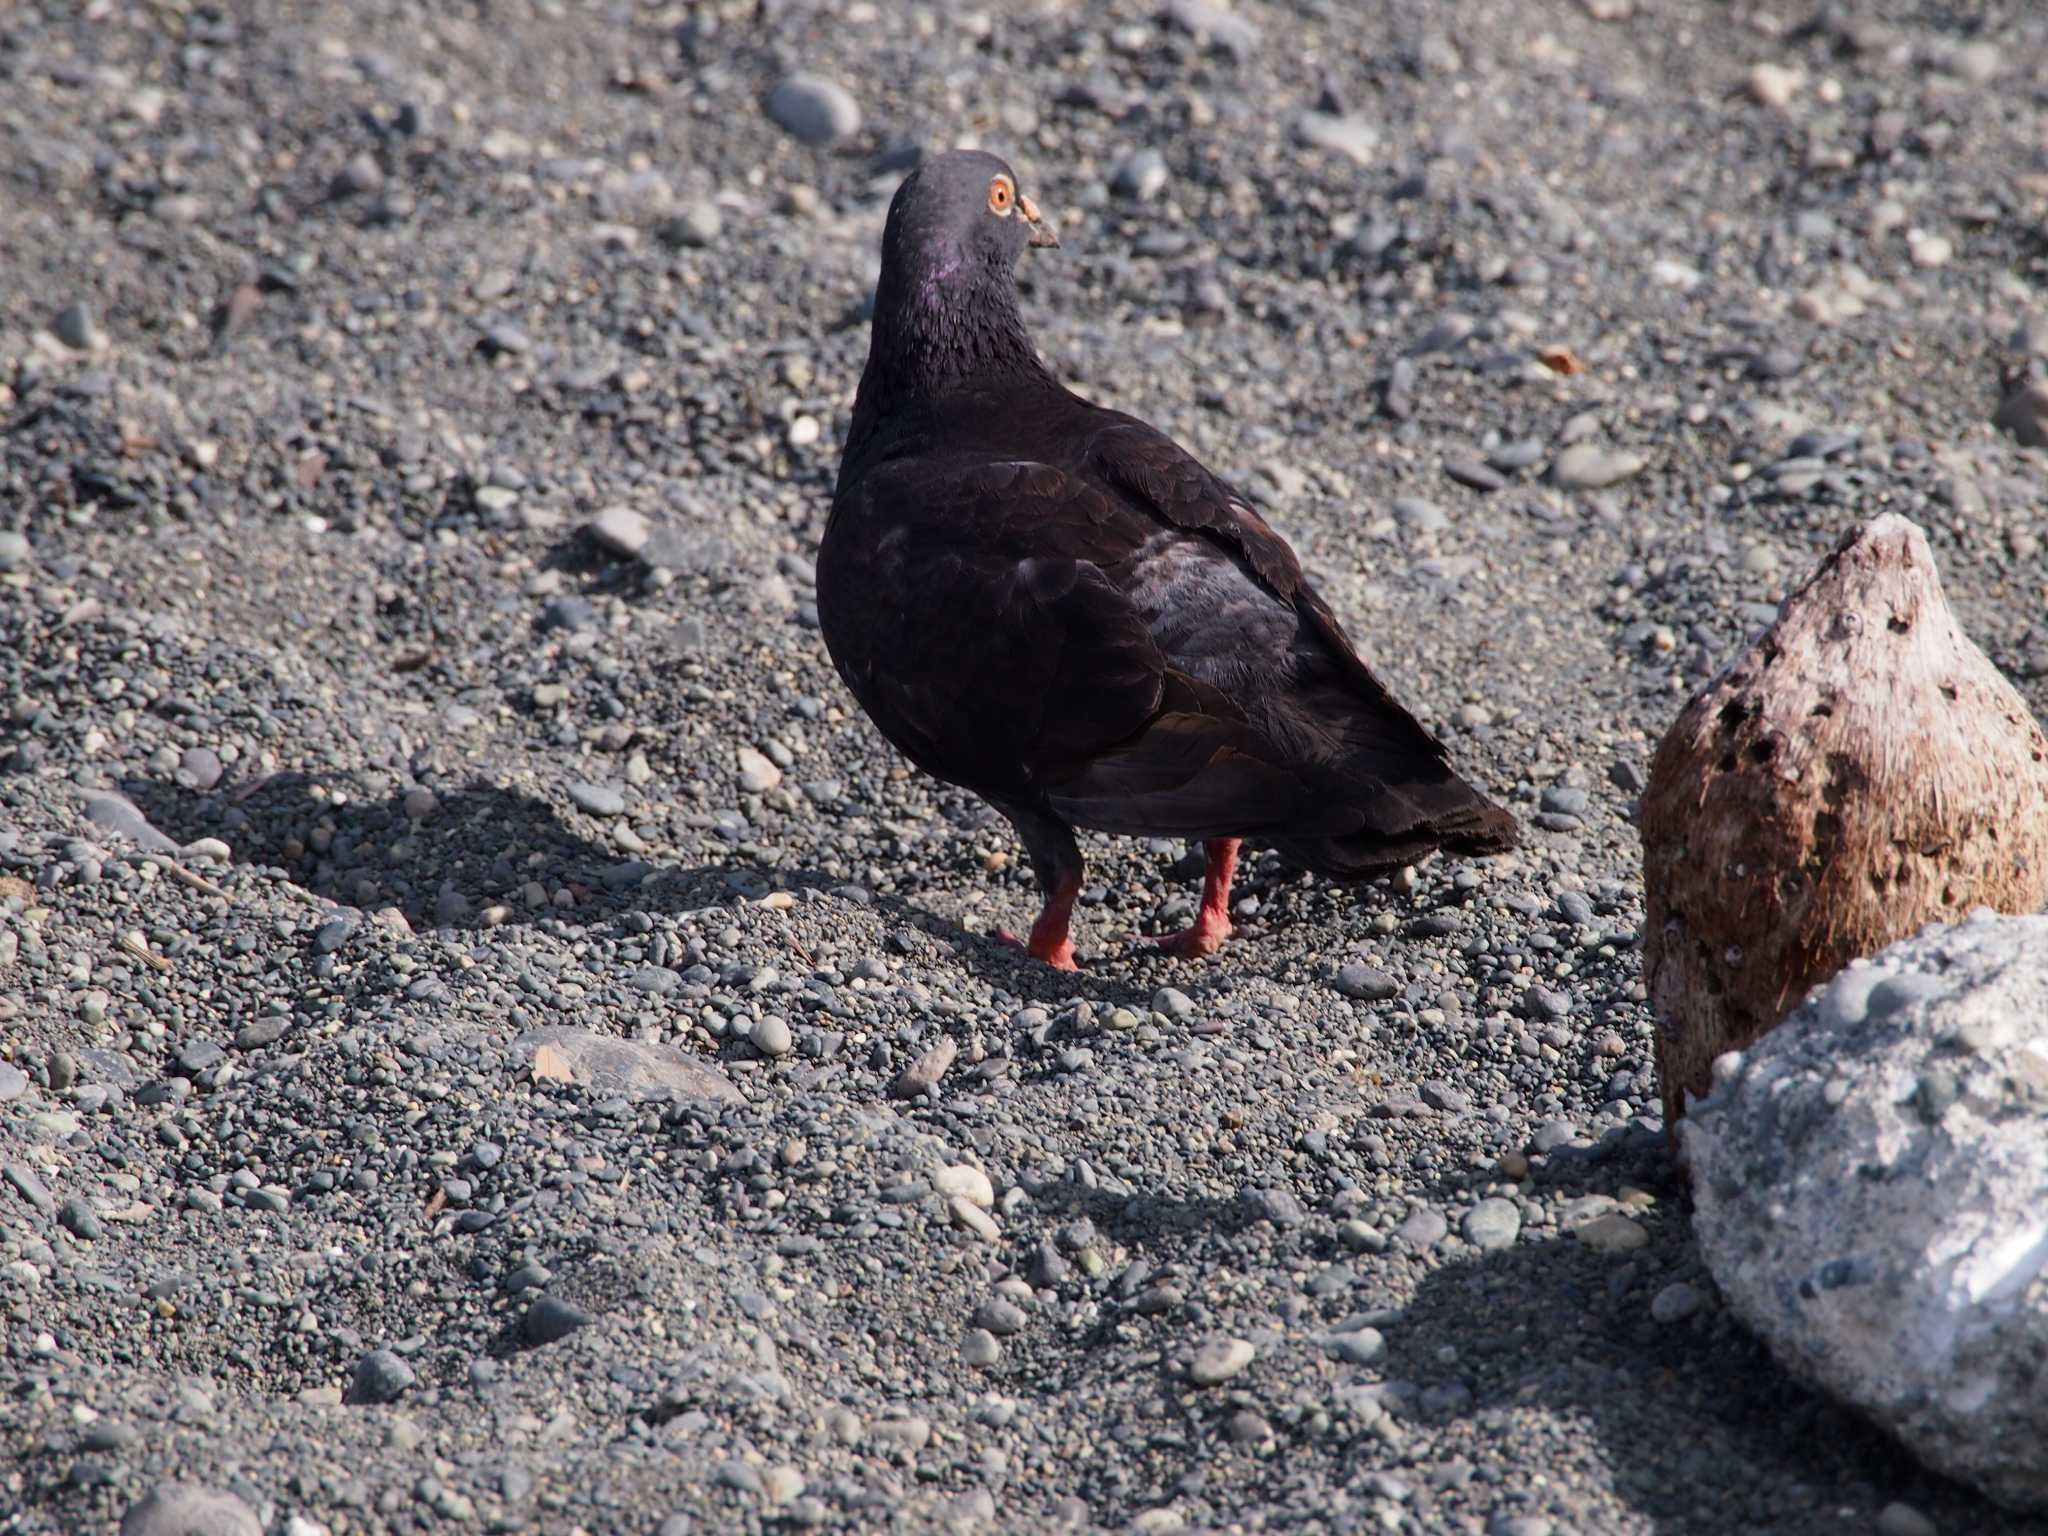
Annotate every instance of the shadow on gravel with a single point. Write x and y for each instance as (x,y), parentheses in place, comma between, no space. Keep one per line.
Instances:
(485,847)
(1556,1325)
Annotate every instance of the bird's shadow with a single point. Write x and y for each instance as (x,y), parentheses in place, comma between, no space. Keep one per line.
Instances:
(479,852)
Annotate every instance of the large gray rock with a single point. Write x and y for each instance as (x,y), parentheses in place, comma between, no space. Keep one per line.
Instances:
(1868,1184)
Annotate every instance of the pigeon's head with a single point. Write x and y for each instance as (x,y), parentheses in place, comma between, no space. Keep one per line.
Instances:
(960,213)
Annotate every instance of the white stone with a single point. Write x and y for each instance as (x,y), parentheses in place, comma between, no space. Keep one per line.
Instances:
(1219,1359)
(1773,85)
(1867,1194)
(966,1181)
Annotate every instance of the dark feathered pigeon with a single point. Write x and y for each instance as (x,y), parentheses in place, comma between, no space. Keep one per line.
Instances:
(1055,606)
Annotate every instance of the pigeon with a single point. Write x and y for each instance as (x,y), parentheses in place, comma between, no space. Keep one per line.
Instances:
(1055,606)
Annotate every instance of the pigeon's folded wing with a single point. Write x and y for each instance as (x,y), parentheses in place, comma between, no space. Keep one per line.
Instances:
(984,638)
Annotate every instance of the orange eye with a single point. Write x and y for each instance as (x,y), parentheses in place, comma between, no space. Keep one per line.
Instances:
(1002,197)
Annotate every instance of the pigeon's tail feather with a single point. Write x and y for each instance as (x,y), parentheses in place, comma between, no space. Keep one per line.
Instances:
(1403,823)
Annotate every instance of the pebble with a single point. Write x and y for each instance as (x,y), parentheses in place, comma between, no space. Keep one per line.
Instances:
(30,1188)
(361,175)
(1000,1316)
(189,1509)
(1676,1302)
(1173,1002)
(15,551)
(1274,1204)
(1492,1223)
(814,110)
(758,774)
(1472,472)
(1141,175)
(598,799)
(620,530)
(551,1319)
(1929,250)
(967,1182)
(1367,983)
(1422,516)
(782,1484)
(923,1074)
(74,327)
(698,225)
(1217,1360)
(380,1377)
(980,1348)
(1773,85)
(771,1036)
(1588,467)
(1423,1229)
(1353,137)
(1899,1518)
(1611,1233)
(1357,1346)
(967,1214)
(14,1081)
(77,1217)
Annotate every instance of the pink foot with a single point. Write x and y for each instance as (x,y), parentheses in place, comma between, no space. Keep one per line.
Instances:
(1212,922)
(1057,954)
(1204,937)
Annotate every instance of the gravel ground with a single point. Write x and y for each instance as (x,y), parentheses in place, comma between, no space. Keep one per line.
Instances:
(490,1042)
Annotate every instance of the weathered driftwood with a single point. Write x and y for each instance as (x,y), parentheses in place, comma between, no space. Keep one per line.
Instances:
(1860,771)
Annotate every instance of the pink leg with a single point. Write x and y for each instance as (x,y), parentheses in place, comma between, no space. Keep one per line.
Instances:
(1212,924)
(1049,941)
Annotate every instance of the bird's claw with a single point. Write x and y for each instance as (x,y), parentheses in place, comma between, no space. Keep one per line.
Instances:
(1059,956)
(1192,943)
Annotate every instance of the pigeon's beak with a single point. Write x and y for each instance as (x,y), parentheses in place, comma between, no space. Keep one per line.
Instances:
(1042,233)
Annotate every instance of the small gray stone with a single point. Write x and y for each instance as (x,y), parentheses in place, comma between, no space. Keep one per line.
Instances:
(1354,137)
(980,1348)
(1000,1316)
(380,1377)
(74,327)
(77,1217)
(1357,1346)
(1902,1519)
(187,1509)
(1217,1360)
(1676,1302)
(619,529)
(1420,515)
(698,225)
(334,933)
(196,1056)
(31,1188)
(923,1074)
(814,110)
(1367,983)
(1172,1002)
(551,1319)
(15,550)
(14,1081)
(1589,466)
(1492,1223)
(1274,1204)
(598,799)
(1141,176)
(1423,1229)
(771,1036)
